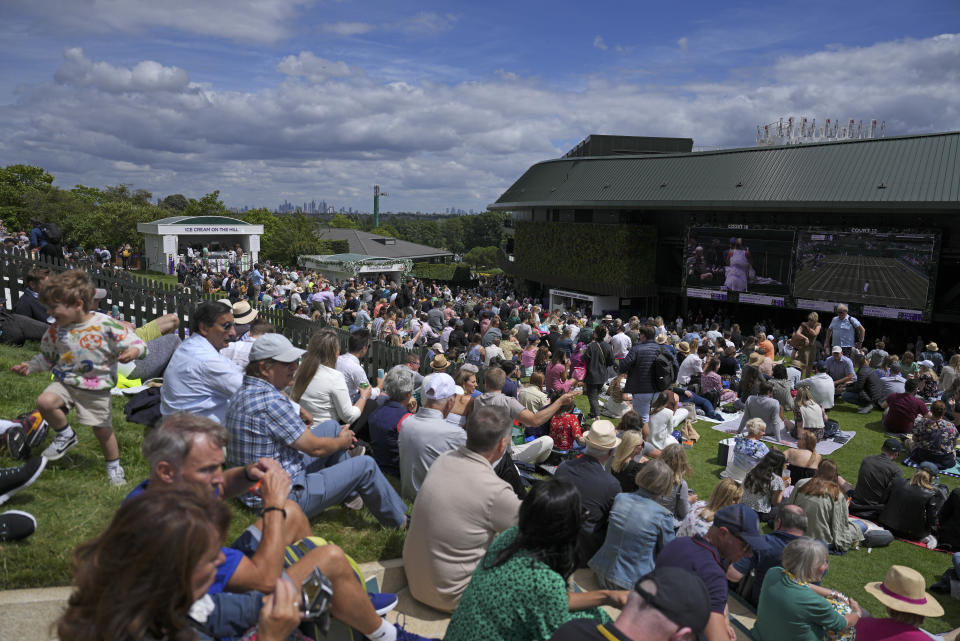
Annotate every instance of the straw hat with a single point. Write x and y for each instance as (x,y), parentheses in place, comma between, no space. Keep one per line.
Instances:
(683,347)
(243,313)
(662,338)
(602,435)
(756,359)
(932,347)
(904,590)
(439,362)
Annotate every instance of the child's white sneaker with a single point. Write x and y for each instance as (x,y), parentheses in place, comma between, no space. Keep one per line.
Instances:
(61,445)
(116,476)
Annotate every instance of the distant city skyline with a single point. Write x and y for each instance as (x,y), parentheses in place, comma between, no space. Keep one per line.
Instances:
(437,102)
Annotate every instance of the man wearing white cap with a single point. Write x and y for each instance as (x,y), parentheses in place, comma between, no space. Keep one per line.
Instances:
(427,434)
(263,423)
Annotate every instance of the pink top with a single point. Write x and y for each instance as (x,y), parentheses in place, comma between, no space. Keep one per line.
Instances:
(888,630)
(528,356)
(552,378)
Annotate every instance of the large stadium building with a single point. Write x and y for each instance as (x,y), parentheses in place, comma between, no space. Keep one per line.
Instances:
(871,223)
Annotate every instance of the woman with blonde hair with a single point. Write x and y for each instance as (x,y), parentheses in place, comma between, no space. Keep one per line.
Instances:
(825,505)
(808,415)
(928,380)
(320,387)
(804,342)
(913,506)
(700,517)
(949,373)
(903,592)
(625,464)
(680,498)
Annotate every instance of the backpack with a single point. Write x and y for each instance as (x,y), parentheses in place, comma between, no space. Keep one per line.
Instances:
(51,232)
(663,370)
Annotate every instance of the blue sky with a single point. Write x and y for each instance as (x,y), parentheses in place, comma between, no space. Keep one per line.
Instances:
(443,104)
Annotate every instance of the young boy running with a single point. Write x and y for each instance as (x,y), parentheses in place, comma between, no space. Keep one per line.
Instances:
(82,348)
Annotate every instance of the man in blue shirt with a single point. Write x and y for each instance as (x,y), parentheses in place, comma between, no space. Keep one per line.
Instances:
(845,331)
(790,524)
(263,423)
(256,282)
(840,369)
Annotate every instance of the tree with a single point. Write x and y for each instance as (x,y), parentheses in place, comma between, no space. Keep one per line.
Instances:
(484,230)
(340,221)
(209,205)
(176,202)
(18,184)
(481,257)
(452,230)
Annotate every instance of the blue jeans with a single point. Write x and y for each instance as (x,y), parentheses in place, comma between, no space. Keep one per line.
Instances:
(641,404)
(701,403)
(332,479)
(854,399)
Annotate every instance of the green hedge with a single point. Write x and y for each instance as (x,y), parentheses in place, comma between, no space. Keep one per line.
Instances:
(452,272)
(602,257)
(335,246)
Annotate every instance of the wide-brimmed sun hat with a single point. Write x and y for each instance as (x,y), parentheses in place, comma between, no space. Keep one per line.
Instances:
(602,435)
(756,359)
(243,313)
(932,347)
(904,590)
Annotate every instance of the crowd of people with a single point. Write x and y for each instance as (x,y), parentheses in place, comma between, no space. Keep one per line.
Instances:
(512,486)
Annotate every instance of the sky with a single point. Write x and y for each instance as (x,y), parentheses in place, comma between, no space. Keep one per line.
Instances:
(443,104)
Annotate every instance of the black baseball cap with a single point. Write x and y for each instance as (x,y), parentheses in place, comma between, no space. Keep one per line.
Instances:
(680,595)
(893,445)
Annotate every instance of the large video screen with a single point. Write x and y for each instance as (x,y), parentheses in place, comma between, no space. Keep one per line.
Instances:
(718,260)
(890,273)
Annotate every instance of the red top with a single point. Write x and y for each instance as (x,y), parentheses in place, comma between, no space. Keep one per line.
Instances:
(564,430)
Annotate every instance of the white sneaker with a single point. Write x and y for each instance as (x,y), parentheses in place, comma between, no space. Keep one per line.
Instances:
(117,477)
(355,504)
(61,445)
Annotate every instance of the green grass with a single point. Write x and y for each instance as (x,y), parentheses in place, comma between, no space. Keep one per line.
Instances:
(169,279)
(73,502)
(850,572)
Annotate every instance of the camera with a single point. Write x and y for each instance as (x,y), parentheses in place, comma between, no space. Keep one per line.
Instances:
(315,595)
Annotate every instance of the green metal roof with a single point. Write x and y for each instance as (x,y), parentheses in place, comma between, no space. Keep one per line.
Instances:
(199,220)
(919,171)
(340,258)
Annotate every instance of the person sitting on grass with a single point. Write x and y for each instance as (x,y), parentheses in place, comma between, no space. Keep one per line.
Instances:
(679,498)
(802,460)
(748,450)
(700,517)
(900,411)
(82,349)
(763,487)
(640,526)
(903,593)
(628,459)
(913,507)
(764,406)
(874,479)
(519,589)
(564,426)
(935,438)
(264,424)
(825,505)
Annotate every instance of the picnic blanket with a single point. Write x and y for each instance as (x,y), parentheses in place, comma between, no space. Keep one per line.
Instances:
(825,447)
(952,471)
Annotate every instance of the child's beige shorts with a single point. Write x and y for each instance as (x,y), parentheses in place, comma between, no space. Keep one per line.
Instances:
(93,406)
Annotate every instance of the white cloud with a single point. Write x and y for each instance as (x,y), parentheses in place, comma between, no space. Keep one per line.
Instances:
(253,20)
(684,43)
(425,23)
(327,127)
(599,43)
(145,76)
(348,28)
(313,68)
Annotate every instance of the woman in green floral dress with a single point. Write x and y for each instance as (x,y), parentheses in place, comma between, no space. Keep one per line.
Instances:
(519,590)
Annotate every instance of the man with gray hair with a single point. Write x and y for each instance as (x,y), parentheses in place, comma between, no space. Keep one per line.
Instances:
(427,434)
(189,448)
(264,424)
(462,505)
(385,421)
(845,332)
(789,524)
